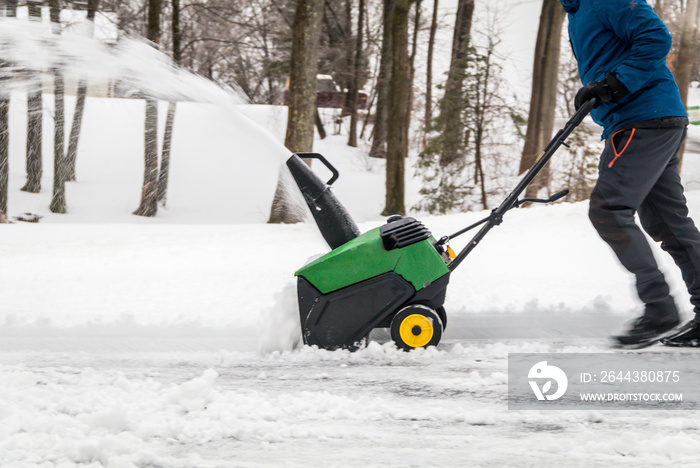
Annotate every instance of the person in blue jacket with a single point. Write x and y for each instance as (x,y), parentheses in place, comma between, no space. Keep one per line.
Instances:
(621,49)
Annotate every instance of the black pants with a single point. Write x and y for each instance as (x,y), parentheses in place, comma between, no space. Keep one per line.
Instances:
(638,171)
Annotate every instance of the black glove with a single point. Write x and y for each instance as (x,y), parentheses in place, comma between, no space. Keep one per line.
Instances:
(610,89)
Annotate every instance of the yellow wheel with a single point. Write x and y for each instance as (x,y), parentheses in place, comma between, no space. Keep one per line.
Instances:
(416,326)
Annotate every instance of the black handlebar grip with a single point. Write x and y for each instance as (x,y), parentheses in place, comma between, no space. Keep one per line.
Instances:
(558,195)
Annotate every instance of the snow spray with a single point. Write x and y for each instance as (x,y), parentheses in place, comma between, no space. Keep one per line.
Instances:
(279,324)
(136,69)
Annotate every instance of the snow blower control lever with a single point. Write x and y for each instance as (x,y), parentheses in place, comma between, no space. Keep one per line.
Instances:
(394,276)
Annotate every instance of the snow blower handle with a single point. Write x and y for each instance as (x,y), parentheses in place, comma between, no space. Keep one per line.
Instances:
(552,199)
(325,162)
(496,216)
(558,195)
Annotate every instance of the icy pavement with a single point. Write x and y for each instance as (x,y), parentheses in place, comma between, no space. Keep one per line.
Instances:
(194,407)
(135,346)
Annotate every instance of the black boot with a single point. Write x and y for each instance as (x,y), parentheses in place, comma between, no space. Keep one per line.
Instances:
(687,336)
(645,332)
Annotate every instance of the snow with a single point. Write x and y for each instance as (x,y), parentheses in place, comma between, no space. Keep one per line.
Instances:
(376,407)
(168,342)
(209,163)
(174,341)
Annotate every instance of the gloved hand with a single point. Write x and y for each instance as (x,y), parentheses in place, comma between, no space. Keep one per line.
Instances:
(610,89)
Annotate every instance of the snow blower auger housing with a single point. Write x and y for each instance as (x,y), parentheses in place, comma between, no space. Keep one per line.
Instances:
(394,276)
(367,279)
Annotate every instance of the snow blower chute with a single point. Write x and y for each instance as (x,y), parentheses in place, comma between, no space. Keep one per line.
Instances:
(394,276)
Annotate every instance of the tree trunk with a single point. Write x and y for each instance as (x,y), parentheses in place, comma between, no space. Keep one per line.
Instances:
(480,168)
(10,12)
(155,8)
(35,113)
(482,102)
(302,78)
(543,98)
(347,67)
(177,33)
(429,70)
(686,54)
(319,125)
(399,99)
(306,34)
(659,9)
(357,70)
(414,41)
(4,148)
(149,193)
(412,59)
(76,126)
(452,104)
(378,148)
(164,173)
(10,8)
(58,197)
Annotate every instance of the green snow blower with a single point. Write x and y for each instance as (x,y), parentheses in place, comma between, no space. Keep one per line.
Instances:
(394,276)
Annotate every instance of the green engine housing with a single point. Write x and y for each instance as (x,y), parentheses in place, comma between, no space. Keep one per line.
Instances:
(365,257)
(363,283)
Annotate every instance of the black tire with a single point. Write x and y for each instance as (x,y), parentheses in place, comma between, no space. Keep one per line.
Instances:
(443,316)
(416,326)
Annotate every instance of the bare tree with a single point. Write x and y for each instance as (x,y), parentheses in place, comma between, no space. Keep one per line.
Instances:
(479,117)
(72,154)
(687,51)
(302,94)
(399,100)
(414,40)
(4,144)
(543,99)
(345,71)
(58,197)
(450,123)
(412,57)
(149,194)
(34,118)
(444,157)
(378,148)
(429,69)
(302,77)
(578,166)
(492,128)
(659,8)
(164,172)
(10,10)
(355,83)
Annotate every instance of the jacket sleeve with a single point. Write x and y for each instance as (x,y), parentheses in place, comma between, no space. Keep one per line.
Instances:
(636,24)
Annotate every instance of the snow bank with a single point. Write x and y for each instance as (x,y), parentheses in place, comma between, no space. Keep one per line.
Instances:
(279,324)
(224,167)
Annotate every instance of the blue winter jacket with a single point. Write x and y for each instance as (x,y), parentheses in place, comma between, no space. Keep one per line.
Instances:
(628,39)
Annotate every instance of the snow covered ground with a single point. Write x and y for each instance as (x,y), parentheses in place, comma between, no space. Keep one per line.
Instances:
(130,342)
(376,407)
(127,342)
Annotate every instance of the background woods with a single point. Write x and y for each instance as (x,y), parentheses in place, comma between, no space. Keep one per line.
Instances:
(424,85)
